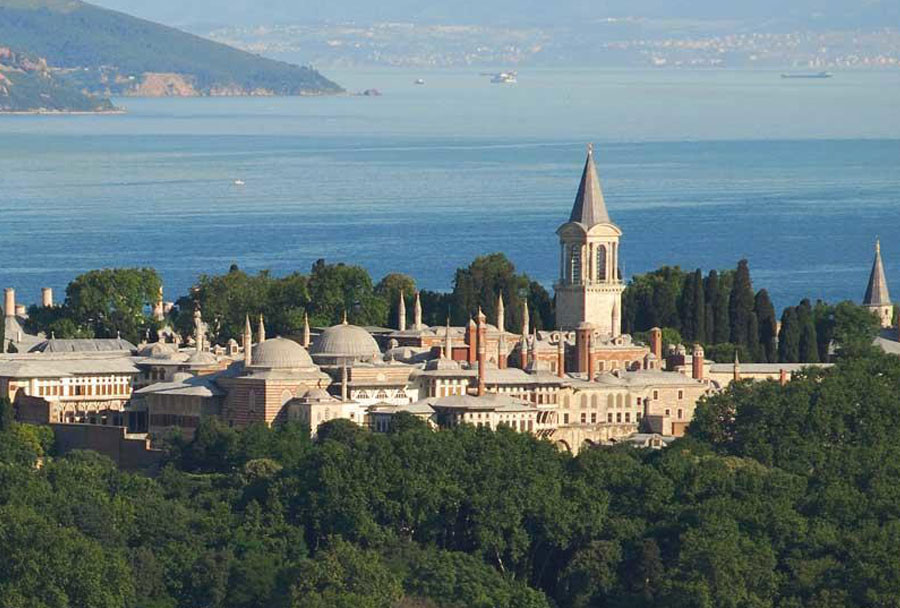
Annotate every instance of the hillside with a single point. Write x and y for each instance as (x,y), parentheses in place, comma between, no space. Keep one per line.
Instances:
(116,54)
(28,85)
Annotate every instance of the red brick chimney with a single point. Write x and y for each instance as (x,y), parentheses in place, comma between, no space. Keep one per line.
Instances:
(592,357)
(482,351)
(782,377)
(561,356)
(697,363)
(656,343)
(471,342)
(583,346)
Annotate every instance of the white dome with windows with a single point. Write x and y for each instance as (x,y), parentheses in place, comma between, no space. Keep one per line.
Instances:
(280,353)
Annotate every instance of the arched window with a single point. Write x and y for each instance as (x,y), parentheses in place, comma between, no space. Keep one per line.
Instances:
(619,401)
(594,401)
(575,264)
(610,401)
(601,262)
(584,401)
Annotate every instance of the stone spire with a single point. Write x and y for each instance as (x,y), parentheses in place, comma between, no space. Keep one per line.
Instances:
(248,342)
(261,331)
(417,318)
(589,208)
(401,312)
(877,291)
(501,313)
(526,318)
(306,330)
(448,343)
(737,366)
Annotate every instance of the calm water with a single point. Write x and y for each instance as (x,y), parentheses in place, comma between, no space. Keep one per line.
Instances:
(699,169)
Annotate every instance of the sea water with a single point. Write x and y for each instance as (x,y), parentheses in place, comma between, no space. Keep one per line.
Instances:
(699,169)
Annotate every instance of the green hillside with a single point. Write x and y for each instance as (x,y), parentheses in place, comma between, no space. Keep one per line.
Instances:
(114,53)
(28,85)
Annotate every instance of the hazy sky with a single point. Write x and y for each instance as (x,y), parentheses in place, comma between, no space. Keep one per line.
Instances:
(825,13)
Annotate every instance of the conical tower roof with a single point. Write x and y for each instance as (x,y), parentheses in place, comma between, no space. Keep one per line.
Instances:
(877,292)
(589,208)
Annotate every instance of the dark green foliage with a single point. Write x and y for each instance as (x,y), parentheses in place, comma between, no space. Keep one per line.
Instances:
(389,289)
(809,341)
(479,284)
(652,300)
(740,304)
(693,308)
(335,289)
(768,327)
(113,47)
(789,337)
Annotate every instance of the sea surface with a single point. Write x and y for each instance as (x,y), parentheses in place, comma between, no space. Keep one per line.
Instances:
(699,168)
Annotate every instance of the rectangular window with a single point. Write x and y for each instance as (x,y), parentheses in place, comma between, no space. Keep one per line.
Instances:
(609,417)
(668,412)
(565,419)
(618,416)
(594,418)
(627,416)
(583,417)
(680,414)
(681,394)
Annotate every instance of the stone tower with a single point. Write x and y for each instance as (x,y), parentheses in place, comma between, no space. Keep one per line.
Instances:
(589,289)
(877,298)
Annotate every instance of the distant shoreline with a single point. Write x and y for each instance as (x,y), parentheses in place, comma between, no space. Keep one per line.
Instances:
(58,112)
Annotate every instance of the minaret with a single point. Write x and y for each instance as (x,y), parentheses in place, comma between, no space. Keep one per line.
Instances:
(526,318)
(501,313)
(561,356)
(737,366)
(306,330)
(417,313)
(401,312)
(448,344)
(877,298)
(159,309)
(248,343)
(589,289)
(261,331)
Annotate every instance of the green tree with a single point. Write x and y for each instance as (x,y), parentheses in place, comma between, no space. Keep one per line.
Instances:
(855,329)
(389,289)
(693,308)
(479,284)
(768,327)
(740,304)
(336,289)
(809,341)
(789,336)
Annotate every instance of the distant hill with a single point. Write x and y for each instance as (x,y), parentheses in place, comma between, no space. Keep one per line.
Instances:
(29,85)
(111,53)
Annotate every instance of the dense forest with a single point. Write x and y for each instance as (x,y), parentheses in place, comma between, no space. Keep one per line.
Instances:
(781,496)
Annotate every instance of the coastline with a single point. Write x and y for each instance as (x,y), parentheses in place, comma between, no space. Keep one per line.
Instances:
(58,112)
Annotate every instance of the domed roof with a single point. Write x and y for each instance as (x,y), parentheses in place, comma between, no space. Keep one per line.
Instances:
(346,340)
(158,350)
(201,358)
(280,353)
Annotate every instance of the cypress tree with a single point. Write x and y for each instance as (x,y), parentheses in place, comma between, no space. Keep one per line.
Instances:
(740,305)
(693,308)
(768,327)
(754,349)
(789,338)
(717,331)
(809,342)
(710,321)
(711,288)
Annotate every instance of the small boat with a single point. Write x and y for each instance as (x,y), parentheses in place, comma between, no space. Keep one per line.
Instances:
(419,81)
(807,75)
(505,78)
(238,182)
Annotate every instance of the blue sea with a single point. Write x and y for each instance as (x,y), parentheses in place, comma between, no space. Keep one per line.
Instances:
(699,168)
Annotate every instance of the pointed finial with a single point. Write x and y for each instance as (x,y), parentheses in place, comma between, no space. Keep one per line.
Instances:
(590,148)
(306,330)
(344,320)
(261,330)
(877,245)
(737,358)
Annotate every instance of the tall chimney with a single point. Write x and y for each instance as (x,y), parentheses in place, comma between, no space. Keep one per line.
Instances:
(9,302)
(656,343)
(697,363)
(523,352)
(306,330)
(248,343)
(448,343)
(401,312)
(482,351)
(592,357)
(526,318)
(417,313)
(737,366)
(47,297)
(782,377)
(501,351)
(471,341)
(159,307)
(261,331)
(582,345)
(500,313)
(561,356)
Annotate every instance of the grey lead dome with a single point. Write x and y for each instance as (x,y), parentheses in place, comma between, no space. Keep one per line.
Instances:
(281,353)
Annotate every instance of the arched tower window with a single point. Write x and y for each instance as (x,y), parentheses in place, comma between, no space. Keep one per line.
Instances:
(575,264)
(601,262)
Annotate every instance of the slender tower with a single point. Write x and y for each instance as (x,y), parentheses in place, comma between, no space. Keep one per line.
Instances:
(877,298)
(448,344)
(501,313)
(417,314)
(248,342)
(589,289)
(401,312)
(306,330)
(261,330)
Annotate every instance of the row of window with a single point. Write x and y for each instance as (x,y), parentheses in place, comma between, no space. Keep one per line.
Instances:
(610,417)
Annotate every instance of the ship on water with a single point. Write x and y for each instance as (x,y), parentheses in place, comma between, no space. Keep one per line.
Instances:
(807,75)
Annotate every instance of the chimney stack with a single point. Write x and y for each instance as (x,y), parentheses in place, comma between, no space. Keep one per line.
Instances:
(782,377)
(248,343)
(501,351)
(9,302)
(417,313)
(656,343)
(582,346)
(306,330)
(261,331)
(737,366)
(561,356)
(471,341)
(482,352)
(159,307)
(592,357)
(401,312)
(697,363)
(47,297)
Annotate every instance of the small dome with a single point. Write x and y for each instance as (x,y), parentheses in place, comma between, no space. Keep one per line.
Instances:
(317,395)
(202,358)
(442,364)
(346,341)
(158,350)
(280,353)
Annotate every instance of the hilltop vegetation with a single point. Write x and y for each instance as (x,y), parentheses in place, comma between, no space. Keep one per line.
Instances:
(782,497)
(110,53)
(27,85)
